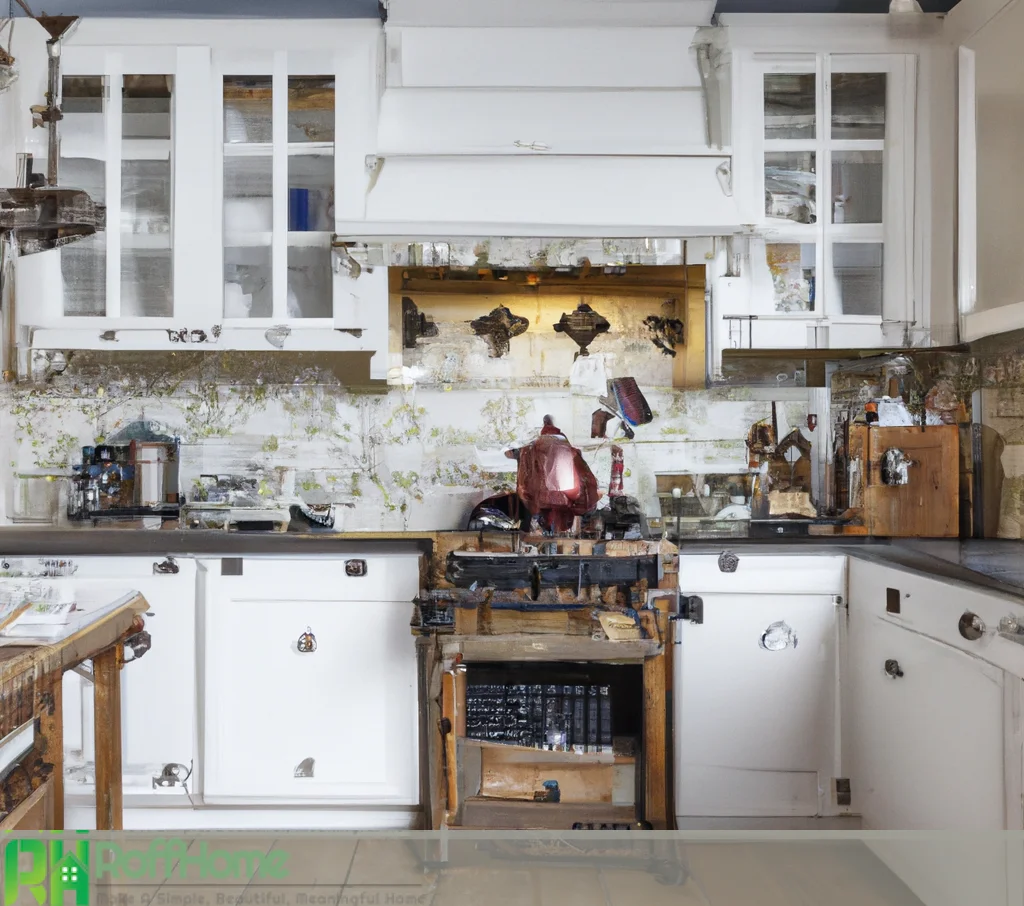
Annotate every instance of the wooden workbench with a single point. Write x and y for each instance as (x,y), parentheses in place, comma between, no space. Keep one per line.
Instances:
(31,677)
(477,639)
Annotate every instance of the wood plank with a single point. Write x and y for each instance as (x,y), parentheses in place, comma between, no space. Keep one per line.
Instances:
(36,813)
(481,812)
(927,507)
(504,779)
(50,738)
(548,648)
(83,645)
(448,718)
(655,743)
(436,778)
(460,701)
(106,671)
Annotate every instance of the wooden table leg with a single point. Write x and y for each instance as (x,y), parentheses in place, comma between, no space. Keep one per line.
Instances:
(106,673)
(50,712)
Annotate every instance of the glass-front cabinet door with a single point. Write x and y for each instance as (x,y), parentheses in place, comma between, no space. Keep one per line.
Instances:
(281,284)
(831,255)
(120,137)
(278,197)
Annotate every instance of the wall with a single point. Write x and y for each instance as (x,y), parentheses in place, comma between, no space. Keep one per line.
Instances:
(419,455)
(999,69)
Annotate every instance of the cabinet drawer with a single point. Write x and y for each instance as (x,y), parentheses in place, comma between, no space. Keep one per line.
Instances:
(381,577)
(338,722)
(762,573)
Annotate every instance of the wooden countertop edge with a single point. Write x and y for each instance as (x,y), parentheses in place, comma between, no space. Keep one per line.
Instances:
(89,641)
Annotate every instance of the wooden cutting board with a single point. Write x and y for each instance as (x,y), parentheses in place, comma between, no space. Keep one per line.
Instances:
(927,507)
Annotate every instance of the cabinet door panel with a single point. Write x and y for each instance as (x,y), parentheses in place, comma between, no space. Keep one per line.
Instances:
(158,690)
(926,748)
(338,722)
(752,723)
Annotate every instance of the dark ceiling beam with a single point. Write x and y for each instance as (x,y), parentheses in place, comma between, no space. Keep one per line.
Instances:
(823,6)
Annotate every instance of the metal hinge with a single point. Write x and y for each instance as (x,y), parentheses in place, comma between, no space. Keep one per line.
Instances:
(691,607)
(844,796)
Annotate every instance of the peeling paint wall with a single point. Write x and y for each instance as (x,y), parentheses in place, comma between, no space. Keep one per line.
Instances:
(416,457)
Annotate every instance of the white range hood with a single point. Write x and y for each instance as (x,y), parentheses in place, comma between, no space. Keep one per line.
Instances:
(447,197)
(553,131)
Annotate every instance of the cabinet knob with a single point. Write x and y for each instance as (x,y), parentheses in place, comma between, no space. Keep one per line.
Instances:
(893,669)
(307,642)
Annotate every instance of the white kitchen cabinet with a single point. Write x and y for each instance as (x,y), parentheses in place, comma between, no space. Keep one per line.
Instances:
(157,690)
(755,687)
(336,723)
(940,701)
(796,672)
(991,199)
(126,138)
(824,170)
(214,151)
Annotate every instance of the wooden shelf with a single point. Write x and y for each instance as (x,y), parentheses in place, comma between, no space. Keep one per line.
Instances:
(548,756)
(484,812)
(481,649)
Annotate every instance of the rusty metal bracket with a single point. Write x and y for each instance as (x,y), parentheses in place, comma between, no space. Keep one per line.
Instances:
(138,644)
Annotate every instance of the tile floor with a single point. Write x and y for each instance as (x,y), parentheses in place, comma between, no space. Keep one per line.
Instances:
(346,870)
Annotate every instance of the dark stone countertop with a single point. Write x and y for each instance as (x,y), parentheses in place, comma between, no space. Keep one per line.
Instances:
(980,564)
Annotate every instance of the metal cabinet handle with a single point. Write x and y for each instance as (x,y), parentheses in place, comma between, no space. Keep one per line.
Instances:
(168,568)
(307,642)
(893,669)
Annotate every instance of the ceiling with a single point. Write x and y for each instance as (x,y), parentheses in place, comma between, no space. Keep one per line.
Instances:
(353,9)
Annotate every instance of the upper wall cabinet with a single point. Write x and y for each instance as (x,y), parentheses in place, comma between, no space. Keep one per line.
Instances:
(223,172)
(991,193)
(826,180)
(123,139)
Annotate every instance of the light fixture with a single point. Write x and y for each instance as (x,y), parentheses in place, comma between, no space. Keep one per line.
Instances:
(903,7)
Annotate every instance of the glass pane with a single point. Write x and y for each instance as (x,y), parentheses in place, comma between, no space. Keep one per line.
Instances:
(248,225)
(247,283)
(83,166)
(248,109)
(858,274)
(311,193)
(858,105)
(790,190)
(792,266)
(311,109)
(146,272)
(310,282)
(857,186)
(145,197)
(789,105)
(146,283)
(146,107)
(83,266)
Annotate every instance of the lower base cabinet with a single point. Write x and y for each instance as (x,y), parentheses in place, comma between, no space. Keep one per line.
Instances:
(310,686)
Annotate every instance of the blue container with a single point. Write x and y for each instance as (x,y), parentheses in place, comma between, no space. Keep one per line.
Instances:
(298,210)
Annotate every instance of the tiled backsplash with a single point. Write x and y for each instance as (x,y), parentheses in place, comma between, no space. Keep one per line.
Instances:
(414,457)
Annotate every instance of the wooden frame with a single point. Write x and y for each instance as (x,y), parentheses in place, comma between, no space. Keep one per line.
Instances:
(443,659)
(34,673)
